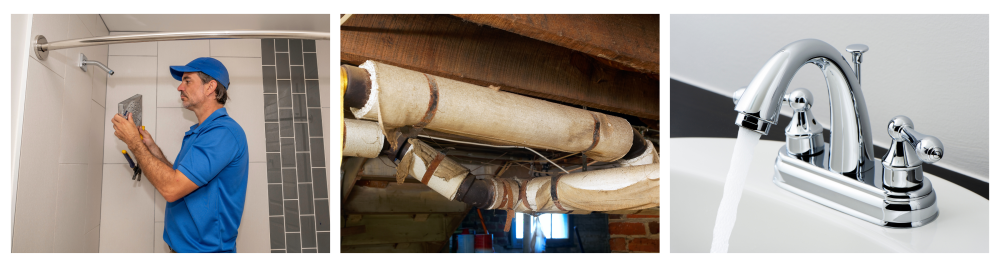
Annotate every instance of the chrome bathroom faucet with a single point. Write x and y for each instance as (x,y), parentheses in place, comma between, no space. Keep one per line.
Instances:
(843,175)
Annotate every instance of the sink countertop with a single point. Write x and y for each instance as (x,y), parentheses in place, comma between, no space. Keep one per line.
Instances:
(771,219)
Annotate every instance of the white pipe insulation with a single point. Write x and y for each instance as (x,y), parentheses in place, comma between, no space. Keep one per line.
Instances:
(648,156)
(401,97)
(624,188)
(362,138)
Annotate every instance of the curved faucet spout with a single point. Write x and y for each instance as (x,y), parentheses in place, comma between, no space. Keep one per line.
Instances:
(850,151)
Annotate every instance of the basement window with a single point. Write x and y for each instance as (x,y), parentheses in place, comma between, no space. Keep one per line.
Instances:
(554,226)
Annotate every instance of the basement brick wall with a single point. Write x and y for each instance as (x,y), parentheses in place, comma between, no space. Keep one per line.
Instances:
(593,232)
(634,233)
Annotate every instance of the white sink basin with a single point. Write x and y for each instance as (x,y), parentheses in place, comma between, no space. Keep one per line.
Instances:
(771,219)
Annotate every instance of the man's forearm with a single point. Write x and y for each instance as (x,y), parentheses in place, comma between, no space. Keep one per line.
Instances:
(156,152)
(158,171)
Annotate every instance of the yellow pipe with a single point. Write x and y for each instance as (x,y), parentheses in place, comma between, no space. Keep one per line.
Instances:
(343,91)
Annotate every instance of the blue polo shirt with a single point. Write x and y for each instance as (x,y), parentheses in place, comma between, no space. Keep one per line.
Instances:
(214,156)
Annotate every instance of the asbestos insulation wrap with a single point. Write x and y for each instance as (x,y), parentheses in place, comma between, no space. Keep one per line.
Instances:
(403,97)
(648,156)
(446,178)
(501,200)
(362,138)
(625,188)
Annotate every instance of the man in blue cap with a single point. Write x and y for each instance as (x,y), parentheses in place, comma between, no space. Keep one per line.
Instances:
(206,188)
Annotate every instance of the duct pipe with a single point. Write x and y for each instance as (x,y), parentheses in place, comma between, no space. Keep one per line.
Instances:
(398,97)
(626,188)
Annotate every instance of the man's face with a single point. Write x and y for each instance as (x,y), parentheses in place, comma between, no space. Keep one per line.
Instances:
(194,93)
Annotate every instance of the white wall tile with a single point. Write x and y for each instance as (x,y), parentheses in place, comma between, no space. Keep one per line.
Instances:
(133,75)
(174,53)
(71,208)
(99,84)
(76,106)
(94,24)
(95,175)
(323,65)
(76,101)
(19,32)
(126,211)
(139,49)
(159,206)
(159,246)
(236,48)
(254,234)
(93,240)
(54,28)
(246,101)
(34,216)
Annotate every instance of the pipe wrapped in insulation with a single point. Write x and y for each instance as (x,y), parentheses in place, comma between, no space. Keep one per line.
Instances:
(626,188)
(648,156)
(446,175)
(399,97)
(362,138)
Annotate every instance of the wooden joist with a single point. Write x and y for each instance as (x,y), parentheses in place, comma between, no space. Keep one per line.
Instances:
(449,47)
(650,211)
(630,41)
(380,184)
(410,247)
(352,230)
(400,198)
(351,166)
(420,217)
(381,229)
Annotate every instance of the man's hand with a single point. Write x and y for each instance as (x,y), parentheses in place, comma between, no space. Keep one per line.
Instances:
(146,137)
(126,131)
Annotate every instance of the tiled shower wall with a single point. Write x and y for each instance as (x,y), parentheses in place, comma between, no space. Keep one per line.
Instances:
(133,212)
(297,189)
(58,185)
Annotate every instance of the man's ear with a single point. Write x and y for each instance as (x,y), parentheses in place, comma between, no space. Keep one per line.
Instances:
(211,87)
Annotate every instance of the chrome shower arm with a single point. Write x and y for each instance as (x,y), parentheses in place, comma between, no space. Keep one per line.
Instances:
(41,46)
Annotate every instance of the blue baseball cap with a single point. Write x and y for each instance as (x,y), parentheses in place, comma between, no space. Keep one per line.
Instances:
(207,65)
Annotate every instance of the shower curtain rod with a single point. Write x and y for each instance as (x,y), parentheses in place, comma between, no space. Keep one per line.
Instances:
(41,46)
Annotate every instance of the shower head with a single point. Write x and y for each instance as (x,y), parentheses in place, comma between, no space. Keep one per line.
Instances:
(83,62)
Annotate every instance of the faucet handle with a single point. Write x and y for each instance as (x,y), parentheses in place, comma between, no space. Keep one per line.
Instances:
(803,136)
(929,149)
(902,165)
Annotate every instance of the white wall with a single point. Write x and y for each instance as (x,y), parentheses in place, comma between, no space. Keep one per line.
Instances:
(20,29)
(931,68)
(57,206)
(133,212)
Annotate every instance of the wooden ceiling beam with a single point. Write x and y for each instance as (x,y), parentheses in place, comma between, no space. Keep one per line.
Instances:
(447,46)
(633,41)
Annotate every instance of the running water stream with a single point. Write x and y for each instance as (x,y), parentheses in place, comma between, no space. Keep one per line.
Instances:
(735,179)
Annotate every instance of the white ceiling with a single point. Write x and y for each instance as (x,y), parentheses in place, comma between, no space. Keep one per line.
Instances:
(168,23)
